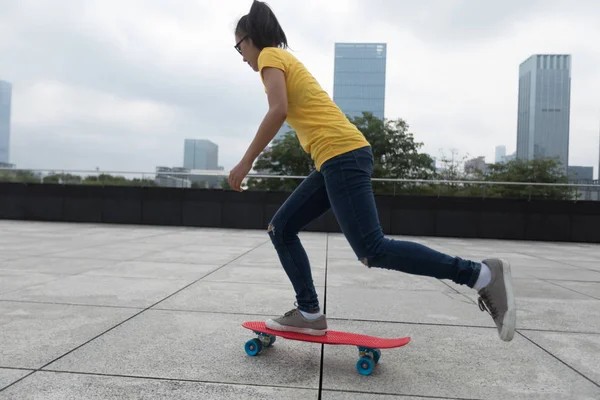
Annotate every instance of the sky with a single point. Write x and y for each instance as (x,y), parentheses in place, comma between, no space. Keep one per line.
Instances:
(118,85)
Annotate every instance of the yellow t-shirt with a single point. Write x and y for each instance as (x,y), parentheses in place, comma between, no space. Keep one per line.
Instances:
(322,128)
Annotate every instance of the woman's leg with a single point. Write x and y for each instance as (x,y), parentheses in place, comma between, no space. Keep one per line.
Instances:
(305,204)
(348,183)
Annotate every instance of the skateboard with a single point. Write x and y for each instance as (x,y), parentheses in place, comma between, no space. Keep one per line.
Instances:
(369,352)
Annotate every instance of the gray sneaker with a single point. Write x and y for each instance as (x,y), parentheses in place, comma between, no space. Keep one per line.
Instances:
(498,300)
(294,321)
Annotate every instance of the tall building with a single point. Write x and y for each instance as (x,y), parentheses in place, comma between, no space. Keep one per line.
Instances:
(544,107)
(5,110)
(475,165)
(200,154)
(500,154)
(580,173)
(359,78)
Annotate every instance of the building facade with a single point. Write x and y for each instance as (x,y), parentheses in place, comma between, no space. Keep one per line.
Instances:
(500,154)
(200,154)
(359,78)
(544,108)
(475,165)
(579,173)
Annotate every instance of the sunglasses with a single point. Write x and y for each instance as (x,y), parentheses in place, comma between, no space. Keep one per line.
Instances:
(237,45)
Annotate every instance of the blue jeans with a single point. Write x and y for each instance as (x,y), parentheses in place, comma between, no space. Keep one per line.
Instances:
(344,185)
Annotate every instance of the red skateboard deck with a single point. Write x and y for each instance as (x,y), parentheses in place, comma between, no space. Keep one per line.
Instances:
(369,346)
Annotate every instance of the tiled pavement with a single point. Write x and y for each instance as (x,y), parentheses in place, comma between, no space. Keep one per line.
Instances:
(121,312)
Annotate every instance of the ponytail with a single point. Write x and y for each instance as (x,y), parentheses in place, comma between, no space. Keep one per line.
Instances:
(261,25)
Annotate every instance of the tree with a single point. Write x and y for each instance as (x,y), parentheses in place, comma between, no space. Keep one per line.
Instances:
(543,170)
(285,157)
(396,155)
(106,180)
(18,176)
(63,178)
(453,169)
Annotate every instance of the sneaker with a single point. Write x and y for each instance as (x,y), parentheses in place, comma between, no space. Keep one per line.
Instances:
(498,300)
(294,321)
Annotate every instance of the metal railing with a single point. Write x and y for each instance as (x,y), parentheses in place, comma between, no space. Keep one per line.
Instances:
(195,175)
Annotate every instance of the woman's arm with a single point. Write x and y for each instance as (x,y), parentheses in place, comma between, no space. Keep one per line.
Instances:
(274,79)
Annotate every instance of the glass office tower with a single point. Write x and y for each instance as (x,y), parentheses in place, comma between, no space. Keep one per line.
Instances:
(544,107)
(359,78)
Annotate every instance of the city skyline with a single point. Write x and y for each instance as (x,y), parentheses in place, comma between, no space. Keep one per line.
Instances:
(456,85)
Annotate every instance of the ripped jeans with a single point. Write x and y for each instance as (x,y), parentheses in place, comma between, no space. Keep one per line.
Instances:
(344,185)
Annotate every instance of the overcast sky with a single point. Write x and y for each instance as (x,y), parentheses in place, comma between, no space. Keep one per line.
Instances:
(120,84)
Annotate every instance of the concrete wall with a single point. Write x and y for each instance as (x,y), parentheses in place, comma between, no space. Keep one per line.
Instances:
(399,215)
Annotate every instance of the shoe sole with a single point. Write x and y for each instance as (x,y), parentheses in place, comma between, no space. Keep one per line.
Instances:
(286,328)
(510,318)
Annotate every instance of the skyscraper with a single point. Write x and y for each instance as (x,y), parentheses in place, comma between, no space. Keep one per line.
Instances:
(5,110)
(544,107)
(500,154)
(200,154)
(580,173)
(359,78)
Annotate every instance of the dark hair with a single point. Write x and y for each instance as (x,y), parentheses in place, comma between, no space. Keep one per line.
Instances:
(261,25)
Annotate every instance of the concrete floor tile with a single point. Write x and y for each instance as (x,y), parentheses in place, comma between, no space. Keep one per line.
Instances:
(243,298)
(588,288)
(565,274)
(34,334)
(185,257)
(454,362)
(11,281)
(146,269)
(335,254)
(8,376)
(338,395)
(404,306)
(198,346)
(119,253)
(534,288)
(260,274)
(589,265)
(252,260)
(140,265)
(233,249)
(99,291)
(560,315)
(343,273)
(579,351)
(65,386)
(54,265)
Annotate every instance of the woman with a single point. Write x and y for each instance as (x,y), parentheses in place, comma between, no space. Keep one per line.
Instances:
(342,182)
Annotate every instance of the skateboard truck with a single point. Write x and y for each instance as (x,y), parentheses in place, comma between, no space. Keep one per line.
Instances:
(368,359)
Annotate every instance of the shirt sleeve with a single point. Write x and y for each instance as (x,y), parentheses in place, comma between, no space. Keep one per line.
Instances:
(270,57)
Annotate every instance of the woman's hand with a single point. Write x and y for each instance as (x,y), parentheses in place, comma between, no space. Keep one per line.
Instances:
(238,173)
